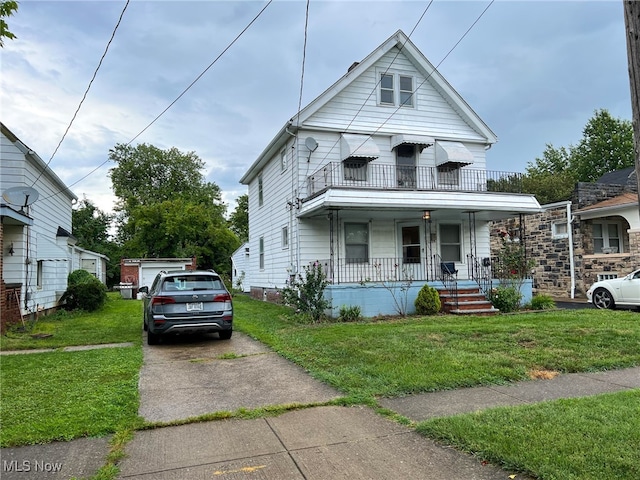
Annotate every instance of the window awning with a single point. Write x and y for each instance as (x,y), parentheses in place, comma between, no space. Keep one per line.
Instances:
(353,145)
(419,140)
(452,153)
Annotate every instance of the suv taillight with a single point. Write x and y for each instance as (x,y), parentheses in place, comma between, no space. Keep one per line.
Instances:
(223,297)
(162,300)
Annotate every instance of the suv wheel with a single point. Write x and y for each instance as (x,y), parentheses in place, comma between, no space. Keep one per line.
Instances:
(152,338)
(225,334)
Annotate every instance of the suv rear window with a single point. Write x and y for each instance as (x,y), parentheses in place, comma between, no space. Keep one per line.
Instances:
(190,283)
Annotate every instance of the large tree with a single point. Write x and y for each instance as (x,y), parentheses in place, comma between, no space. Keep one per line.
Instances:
(7,8)
(606,146)
(167,208)
(239,219)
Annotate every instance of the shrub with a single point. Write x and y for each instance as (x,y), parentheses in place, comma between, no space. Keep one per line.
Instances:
(306,294)
(350,313)
(542,302)
(79,276)
(428,301)
(84,292)
(506,298)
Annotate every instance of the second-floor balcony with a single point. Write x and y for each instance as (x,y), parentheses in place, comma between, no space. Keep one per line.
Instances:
(360,174)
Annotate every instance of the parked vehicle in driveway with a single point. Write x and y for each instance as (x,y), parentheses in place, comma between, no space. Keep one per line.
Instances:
(187,302)
(616,292)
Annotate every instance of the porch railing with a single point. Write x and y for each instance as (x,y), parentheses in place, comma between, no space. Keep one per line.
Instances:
(480,270)
(388,269)
(381,176)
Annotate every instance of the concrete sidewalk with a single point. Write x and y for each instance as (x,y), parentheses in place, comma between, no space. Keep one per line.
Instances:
(187,378)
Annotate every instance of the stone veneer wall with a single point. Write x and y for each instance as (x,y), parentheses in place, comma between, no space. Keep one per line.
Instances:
(552,273)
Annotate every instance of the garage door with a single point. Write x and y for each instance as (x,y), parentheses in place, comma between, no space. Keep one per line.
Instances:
(149,272)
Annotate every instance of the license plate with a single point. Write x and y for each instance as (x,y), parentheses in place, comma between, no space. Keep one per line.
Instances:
(194,307)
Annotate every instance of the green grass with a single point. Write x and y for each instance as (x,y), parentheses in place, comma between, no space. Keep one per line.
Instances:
(64,395)
(591,438)
(403,356)
(117,321)
(588,438)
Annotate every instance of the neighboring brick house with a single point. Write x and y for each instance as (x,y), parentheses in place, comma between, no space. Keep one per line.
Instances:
(603,241)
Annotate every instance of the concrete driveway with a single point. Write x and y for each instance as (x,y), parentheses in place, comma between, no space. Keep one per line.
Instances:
(189,376)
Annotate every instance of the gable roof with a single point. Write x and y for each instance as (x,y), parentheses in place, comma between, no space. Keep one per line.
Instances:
(619,177)
(35,159)
(401,41)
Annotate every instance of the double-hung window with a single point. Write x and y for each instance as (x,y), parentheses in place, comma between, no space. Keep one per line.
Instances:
(261,252)
(260,190)
(396,89)
(450,243)
(356,241)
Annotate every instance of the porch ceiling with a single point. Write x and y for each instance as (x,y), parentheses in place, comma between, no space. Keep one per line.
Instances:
(400,204)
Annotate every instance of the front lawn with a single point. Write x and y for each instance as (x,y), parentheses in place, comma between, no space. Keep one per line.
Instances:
(391,357)
(117,321)
(64,395)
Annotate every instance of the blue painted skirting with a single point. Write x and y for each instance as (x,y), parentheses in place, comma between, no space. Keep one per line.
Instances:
(374,299)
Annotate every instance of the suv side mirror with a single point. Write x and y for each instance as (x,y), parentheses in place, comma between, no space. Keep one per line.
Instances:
(143,290)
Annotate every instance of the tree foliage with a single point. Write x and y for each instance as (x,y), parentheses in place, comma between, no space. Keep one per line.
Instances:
(239,219)
(606,146)
(91,226)
(167,209)
(7,8)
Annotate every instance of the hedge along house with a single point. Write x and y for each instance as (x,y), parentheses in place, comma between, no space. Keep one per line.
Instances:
(381,179)
(592,236)
(37,252)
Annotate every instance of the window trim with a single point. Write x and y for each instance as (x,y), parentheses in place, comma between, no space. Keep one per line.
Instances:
(554,229)
(358,260)
(605,235)
(396,92)
(261,253)
(460,244)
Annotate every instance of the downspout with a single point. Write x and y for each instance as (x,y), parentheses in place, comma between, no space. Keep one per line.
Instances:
(572,267)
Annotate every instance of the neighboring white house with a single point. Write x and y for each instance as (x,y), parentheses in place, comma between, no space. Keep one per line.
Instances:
(381,177)
(38,252)
(240,268)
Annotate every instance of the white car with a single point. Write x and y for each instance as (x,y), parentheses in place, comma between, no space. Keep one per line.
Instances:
(616,292)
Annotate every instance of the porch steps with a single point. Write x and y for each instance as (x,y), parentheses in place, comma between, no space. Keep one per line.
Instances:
(471,301)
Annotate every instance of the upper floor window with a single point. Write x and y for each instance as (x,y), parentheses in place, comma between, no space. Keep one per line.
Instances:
(283,160)
(396,89)
(355,169)
(260,193)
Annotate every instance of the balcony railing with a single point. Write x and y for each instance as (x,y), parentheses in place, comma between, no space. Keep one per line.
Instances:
(363,175)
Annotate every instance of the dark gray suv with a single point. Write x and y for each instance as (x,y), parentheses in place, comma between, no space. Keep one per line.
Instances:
(187,302)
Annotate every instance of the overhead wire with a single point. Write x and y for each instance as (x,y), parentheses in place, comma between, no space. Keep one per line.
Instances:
(421,83)
(84,96)
(177,98)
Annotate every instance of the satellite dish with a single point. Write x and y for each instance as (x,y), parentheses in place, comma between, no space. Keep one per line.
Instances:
(311,144)
(20,196)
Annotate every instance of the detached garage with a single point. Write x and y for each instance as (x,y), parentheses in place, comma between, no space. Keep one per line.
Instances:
(139,272)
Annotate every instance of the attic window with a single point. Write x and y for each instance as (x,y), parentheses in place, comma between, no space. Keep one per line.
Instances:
(396,89)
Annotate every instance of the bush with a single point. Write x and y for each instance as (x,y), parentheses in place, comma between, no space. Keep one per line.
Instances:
(542,302)
(79,276)
(84,292)
(506,298)
(428,301)
(306,294)
(350,313)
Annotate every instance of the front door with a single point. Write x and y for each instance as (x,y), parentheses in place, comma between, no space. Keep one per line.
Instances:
(406,166)
(412,261)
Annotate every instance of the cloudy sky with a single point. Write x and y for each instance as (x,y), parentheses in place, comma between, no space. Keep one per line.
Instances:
(534,71)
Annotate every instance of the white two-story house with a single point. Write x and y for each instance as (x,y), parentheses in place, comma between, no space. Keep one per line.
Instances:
(38,250)
(381,178)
